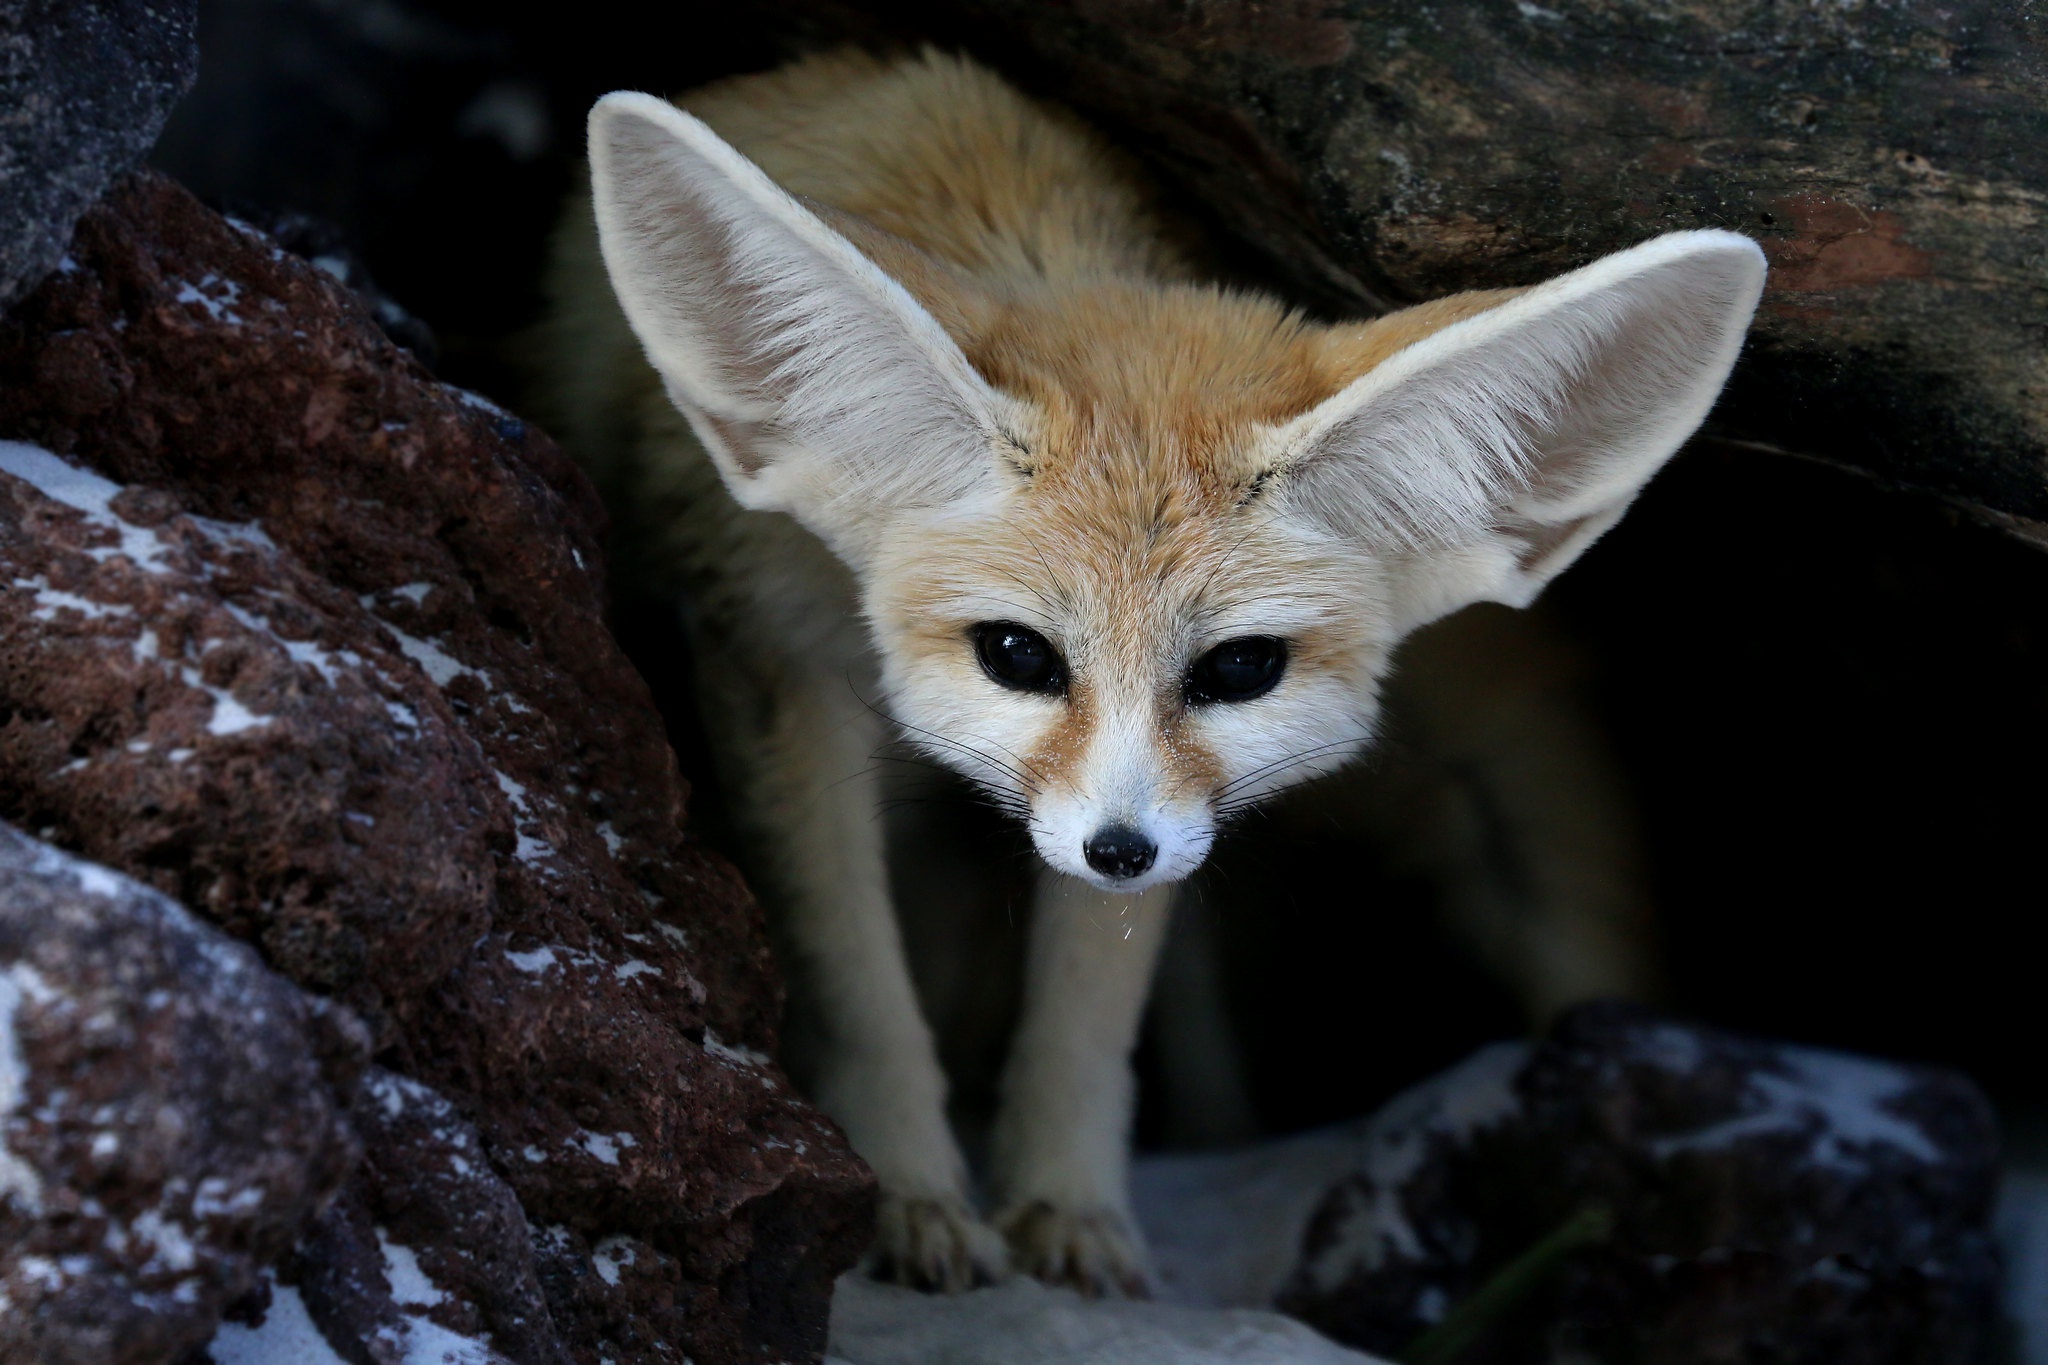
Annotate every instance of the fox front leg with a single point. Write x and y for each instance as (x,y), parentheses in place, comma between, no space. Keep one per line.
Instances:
(1061,1151)
(807,788)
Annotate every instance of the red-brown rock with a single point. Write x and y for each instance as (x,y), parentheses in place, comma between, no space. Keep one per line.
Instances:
(330,665)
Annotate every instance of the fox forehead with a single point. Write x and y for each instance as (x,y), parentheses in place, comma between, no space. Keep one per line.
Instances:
(1132,521)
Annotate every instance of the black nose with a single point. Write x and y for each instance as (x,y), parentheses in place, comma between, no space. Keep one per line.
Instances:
(1120,851)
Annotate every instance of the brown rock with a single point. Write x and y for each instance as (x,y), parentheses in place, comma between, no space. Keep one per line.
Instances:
(427,1244)
(172,1114)
(380,729)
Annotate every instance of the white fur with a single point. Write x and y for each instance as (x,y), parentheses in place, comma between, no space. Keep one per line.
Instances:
(816,382)
(1541,417)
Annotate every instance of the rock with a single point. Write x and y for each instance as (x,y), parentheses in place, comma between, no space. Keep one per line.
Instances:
(172,1114)
(85,85)
(2023,1244)
(1638,1190)
(329,663)
(1023,1322)
(428,1248)
(329,248)
(1890,160)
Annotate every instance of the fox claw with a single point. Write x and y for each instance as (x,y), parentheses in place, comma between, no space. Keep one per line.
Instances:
(1096,1250)
(934,1243)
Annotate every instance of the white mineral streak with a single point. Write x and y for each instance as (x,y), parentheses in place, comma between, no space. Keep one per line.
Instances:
(538,960)
(733,1054)
(220,309)
(286,1336)
(1842,1100)
(530,849)
(327,663)
(606,1146)
(410,1287)
(438,665)
(476,400)
(89,493)
(611,1256)
(429,1343)
(170,1244)
(94,496)
(50,601)
(217,1198)
(19,1182)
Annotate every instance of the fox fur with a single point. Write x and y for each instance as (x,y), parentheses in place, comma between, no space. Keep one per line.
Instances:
(873,355)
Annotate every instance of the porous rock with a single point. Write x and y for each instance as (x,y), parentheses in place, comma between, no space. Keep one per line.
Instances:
(172,1114)
(427,1250)
(317,645)
(85,86)
(1703,1198)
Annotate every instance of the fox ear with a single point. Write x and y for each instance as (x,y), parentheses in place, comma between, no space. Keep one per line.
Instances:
(1488,455)
(818,384)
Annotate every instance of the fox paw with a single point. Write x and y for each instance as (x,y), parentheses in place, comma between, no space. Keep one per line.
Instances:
(934,1243)
(1094,1250)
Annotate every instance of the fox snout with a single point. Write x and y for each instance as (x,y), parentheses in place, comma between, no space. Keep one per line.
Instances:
(1117,847)
(1113,761)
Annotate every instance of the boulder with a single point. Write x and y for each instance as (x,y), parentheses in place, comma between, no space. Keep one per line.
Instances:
(85,85)
(427,1249)
(316,644)
(173,1114)
(1642,1192)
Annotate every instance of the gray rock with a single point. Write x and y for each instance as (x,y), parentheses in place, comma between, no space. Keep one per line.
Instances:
(172,1114)
(1644,1192)
(85,86)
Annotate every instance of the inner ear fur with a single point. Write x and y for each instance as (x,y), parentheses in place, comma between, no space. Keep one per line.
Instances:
(1489,453)
(818,384)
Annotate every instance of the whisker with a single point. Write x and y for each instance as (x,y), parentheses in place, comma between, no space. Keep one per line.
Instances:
(1295,759)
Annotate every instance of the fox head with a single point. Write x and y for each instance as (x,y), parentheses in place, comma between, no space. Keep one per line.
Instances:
(1135,553)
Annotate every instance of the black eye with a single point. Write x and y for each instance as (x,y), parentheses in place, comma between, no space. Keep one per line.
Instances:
(1019,657)
(1238,670)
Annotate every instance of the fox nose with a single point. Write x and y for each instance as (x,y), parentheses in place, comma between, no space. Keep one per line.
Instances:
(1120,851)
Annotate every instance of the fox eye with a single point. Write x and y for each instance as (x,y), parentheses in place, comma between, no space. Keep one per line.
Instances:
(1238,670)
(1019,657)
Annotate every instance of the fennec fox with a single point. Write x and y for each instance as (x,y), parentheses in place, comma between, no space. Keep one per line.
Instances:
(916,397)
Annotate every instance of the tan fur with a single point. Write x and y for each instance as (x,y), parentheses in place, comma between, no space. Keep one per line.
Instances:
(1133,418)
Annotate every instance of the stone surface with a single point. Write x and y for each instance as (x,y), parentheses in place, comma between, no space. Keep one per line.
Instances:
(1760,1203)
(1890,158)
(328,662)
(1023,1322)
(172,1114)
(85,85)
(428,1248)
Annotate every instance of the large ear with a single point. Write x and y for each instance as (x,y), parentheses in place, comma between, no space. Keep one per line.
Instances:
(818,384)
(1488,455)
